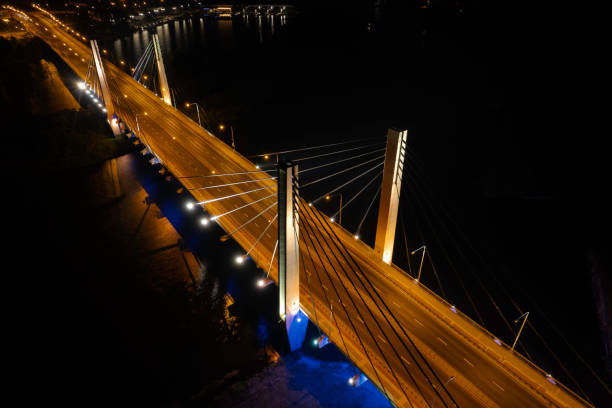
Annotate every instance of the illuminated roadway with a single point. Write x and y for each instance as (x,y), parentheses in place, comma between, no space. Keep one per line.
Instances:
(486,373)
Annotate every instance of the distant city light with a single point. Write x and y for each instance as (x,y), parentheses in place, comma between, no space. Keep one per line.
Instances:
(81,85)
(190,205)
(204,221)
(239,259)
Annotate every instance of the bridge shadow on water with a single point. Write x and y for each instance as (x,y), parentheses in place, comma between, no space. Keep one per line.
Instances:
(321,373)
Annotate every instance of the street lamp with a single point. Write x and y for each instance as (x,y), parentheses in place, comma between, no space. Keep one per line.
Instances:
(525,315)
(451,378)
(187,104)
(424,248)
(222,128)
(328,197)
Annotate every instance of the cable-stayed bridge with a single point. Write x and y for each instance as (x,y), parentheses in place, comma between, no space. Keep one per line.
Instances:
(419,350)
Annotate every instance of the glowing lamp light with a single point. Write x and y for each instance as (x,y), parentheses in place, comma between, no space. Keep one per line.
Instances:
(357,380)
(453,309)
(190,205)
(239,259)
(310,204)
(263,282)
(104,110)
(204,221)
(332,219)
(356,236)
(299,319)
(81,85)
(257,166)
(266,157)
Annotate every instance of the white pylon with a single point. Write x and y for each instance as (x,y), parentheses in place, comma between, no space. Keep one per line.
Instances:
(390,194)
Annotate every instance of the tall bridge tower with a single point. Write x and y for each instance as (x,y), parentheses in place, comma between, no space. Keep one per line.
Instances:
(390,194)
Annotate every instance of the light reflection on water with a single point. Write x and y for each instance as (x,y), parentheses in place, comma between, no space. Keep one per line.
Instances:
(212,36)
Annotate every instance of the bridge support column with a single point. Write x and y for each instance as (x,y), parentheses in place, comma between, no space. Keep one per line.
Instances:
(390,194)
(288,258)
(161,71)
(108,99)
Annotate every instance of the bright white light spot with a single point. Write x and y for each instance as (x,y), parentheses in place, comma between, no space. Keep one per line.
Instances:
(299,319)
(315,341)
(239,259)
(204,221)
(257,166)
(103,109)
(356,236)
(190,205)
(310,204)
(99,105)
(81,85)
(332,219)
(350,381)
(260,283)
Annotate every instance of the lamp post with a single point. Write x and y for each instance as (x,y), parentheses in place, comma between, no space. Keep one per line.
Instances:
(424,248)
(328,197)
(451,378)
(222,128)
(525,315)
(188,104)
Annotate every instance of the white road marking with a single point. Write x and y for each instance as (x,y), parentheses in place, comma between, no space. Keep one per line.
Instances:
(498,386)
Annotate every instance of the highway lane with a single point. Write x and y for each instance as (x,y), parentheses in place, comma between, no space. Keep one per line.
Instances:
(486,374)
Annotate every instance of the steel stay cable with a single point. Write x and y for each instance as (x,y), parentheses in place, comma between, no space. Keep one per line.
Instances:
(368,210)
(340,161)
(503,288)
(447,257)
(316,147)
(314,308)
(272,259)
(231,184)
(334,241)
(212,200)
(341,171)
(226,174)
(249,221)
(332,153)
(343,307)
(557,359)
(473,273)
(348,182)
(331,316)
(402,222)
(359,192)
(216,217)
(263,232)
